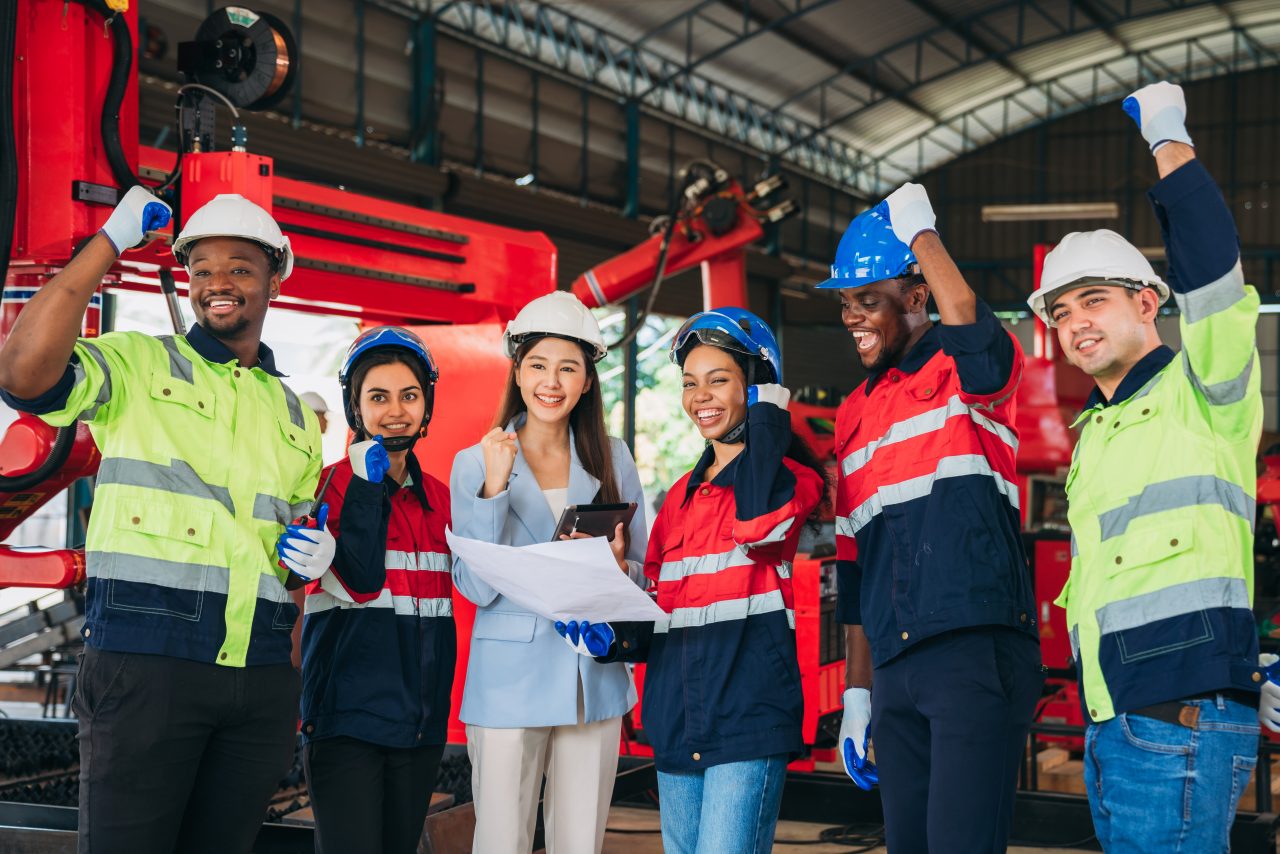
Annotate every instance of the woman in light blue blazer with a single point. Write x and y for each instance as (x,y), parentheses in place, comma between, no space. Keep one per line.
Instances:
(531,704)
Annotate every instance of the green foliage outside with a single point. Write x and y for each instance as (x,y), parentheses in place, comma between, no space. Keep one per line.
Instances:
(667,443)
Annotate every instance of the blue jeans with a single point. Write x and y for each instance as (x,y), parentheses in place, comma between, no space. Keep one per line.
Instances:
(1157,786)
(726,809)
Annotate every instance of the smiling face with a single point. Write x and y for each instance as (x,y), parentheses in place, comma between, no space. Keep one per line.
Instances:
(391,401)
(881,317)
(552,377)
(1105,329)
(715,391)
(231,286)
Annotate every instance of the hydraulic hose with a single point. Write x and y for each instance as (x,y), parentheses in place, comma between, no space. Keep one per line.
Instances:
(121,68)
(58,455)
(8,146)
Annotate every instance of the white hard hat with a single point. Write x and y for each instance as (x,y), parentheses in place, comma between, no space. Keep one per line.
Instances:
(232,215)
(1093,257)
(315,402)
(559,313)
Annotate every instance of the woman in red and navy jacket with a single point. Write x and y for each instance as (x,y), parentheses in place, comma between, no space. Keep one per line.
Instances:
(722,698)
(378,638)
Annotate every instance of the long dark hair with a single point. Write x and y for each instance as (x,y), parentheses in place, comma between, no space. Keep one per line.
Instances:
(590,438)
(385,356)
(798,450)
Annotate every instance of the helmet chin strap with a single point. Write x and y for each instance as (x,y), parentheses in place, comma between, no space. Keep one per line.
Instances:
(395,444)
(738,433)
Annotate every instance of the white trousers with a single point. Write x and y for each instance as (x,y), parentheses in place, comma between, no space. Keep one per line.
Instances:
(580,762)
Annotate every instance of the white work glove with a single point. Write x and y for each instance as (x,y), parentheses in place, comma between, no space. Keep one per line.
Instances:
(136,214)
(369,459)
(778,395)
(908,212)
(1161,112)
(852,742)
(1269,701)
(305,550)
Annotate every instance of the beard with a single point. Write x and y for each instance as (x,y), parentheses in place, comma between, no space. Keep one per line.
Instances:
(890,355)
(226,329)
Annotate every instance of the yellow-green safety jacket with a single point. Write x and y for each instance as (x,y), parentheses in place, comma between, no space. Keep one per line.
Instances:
(1162,486)
(203,464)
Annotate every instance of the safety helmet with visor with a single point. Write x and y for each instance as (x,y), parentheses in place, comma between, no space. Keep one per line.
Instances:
(1085,258)
(232,215)
(737,331)
(382,338)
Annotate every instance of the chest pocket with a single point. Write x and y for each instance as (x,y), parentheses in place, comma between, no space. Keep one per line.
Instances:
(187,398)
(295,448)
(930,385)
(672,569)
(1136,413)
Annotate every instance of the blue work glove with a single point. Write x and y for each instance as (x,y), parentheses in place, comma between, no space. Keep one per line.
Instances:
(369,459)
(908,212)
(1269,702)
(306,549)
(592,639)
(778,395)
(1161,113)
(136,214)
(853,738)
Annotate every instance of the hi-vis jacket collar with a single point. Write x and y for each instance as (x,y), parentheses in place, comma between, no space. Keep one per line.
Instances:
(213,350)
(1139,375)
(921,352)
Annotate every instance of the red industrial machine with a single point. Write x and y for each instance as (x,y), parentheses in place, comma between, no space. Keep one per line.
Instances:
(380,262)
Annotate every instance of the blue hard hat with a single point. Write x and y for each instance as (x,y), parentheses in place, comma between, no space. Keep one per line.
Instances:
(377,338)
(869,252)
(730,328)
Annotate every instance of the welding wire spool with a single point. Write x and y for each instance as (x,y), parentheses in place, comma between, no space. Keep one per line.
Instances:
(251,57)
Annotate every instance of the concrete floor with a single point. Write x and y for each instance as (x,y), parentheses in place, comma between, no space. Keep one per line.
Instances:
(633,819)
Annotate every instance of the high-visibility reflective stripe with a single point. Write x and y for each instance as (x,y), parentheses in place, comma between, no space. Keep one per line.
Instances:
(426,561)
(174,575)
(295,407)
(1075,547)
(726,611)
(918,487)
(922,424)
(703,564)
(179,365)
(1174,601)
(1192,491)
(784,569)
(404,606)
(1074,635)
(162,573)
(1214,297)
(594,284)
(104,391)
(269,508)
(1223,393)
(777,535)
(178,477)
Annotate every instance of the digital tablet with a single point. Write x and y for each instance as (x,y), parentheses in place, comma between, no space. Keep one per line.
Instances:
(595,520)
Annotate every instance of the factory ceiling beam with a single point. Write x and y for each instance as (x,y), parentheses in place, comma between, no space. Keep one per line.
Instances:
(554,40)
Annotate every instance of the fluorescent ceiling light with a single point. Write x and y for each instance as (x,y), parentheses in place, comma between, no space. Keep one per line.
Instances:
(1066,210)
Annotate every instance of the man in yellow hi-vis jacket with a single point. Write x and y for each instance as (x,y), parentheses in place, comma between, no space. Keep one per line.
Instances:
(1161,503)
(186,696)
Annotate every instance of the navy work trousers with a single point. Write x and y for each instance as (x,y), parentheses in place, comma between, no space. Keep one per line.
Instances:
(180,756)
(949,720)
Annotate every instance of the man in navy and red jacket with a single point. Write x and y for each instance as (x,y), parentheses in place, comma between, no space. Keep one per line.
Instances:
(933,582)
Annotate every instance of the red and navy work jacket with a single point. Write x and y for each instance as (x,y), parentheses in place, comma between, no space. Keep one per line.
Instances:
(378,639)
(723,681)
(927,522)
